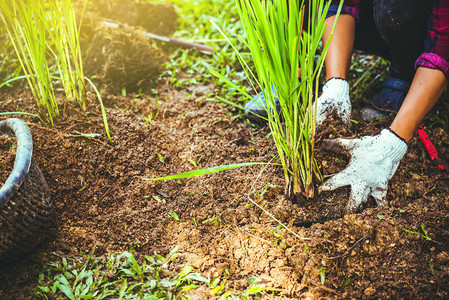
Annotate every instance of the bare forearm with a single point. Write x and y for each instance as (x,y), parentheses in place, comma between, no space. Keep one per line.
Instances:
(339,54)
(426,89)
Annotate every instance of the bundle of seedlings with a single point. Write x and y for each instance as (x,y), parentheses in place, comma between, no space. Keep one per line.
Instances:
(45,37)
(26,25)
(279,43)
(282,35)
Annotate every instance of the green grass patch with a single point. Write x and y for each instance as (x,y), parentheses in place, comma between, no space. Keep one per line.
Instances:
(119,276)
(190,67)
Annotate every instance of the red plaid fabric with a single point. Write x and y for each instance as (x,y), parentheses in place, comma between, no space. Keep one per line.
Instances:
(436,43)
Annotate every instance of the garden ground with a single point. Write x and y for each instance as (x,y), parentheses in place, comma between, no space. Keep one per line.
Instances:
(103,205)
(101,202)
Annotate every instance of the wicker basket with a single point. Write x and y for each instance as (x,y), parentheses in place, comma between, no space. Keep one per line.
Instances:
(25,205)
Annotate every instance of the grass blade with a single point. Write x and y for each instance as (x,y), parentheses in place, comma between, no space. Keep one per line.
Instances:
(207,171)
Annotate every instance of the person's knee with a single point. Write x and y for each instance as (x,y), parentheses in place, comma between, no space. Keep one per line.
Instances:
(402,22)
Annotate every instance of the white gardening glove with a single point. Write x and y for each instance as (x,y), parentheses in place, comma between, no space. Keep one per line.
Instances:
(374,160)
(335,97)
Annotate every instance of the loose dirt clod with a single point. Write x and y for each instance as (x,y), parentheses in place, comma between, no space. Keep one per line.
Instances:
(123,58)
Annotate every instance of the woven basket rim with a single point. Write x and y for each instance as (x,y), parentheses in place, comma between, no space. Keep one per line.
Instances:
(22,162)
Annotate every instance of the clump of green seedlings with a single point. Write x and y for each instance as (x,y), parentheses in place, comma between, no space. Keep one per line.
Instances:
(45,37)
(121,276)
(276,36)
(278,43)
(26,25)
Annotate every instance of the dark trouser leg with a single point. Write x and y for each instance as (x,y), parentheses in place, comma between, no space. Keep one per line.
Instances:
(403,25)
(367,37)
(395,30)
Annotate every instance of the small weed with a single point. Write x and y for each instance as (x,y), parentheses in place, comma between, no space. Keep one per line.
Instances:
(278,236)
(256,289)
(174,215)
(323,274)
(214,220)
(432,270)
(274,233)
(157,198)
(150,118)
(253,280)
(219,288)
(345,284)
(423,235)
(160,157)
(260,194)
(216,288)
(433,187)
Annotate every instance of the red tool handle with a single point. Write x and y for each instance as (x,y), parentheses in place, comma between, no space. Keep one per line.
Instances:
(433,153)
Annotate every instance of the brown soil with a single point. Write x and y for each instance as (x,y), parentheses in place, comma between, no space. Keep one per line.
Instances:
(123,58)
(101,201)
(7,155)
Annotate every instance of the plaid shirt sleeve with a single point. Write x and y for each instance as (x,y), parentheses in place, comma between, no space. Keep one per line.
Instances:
(436,44)
(350,7)
(436,53)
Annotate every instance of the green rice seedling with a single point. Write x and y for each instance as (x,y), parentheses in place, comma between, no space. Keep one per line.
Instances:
(103,110)
(65,46)
(205,171)
(45,36)
(26,25)
(279,43)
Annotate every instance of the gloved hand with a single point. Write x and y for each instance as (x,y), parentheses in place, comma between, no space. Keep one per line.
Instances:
(335,97)
(374,160)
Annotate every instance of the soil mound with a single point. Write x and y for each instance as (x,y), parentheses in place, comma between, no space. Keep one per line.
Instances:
(122,58)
